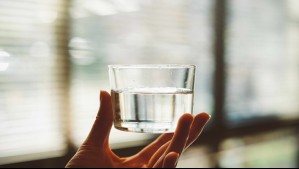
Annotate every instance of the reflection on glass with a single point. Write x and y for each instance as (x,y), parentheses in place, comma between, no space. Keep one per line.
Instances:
(277,149)
(138,32)
(262,60)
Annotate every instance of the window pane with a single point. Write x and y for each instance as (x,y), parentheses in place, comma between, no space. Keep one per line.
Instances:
(30,127)
(277,149)
(136,32)
(262,59)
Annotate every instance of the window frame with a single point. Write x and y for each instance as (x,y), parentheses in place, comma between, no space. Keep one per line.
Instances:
(220,130)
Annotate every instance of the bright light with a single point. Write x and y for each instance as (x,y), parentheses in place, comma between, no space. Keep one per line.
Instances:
(81,51)
(101,7)
(4,60)
(127,6)
(48,16)
(40,49)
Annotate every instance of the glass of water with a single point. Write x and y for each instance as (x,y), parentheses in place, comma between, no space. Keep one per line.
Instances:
(151,98)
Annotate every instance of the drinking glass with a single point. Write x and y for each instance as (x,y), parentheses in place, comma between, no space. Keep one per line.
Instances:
(151,98)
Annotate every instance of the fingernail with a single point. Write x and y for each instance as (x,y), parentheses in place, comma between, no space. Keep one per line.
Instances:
(101,93)
(208,116)
(208,119)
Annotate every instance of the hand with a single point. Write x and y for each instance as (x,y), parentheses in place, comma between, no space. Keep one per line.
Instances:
(164,152)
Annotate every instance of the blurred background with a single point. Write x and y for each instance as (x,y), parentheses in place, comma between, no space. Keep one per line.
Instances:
(53,63)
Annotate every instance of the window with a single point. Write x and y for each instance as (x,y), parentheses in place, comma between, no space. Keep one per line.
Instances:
(30,120)
(262,59)
(53,63)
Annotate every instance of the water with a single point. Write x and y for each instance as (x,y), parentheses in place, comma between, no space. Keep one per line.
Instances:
(151,110)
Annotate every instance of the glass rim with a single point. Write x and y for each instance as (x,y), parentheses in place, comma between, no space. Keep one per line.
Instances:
(152,66)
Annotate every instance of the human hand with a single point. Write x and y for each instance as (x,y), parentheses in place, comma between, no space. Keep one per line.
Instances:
(162,153)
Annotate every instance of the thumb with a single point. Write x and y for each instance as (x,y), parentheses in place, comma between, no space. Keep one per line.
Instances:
(99,134)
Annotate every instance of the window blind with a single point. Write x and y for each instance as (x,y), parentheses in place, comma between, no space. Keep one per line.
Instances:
(30,80)
(135,32)
(263,69)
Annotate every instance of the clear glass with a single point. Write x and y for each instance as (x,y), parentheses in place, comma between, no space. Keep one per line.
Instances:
(151,98)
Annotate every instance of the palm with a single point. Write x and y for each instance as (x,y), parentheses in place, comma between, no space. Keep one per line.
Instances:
(164,152)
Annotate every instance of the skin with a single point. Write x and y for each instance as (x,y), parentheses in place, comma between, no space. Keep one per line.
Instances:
(95,152)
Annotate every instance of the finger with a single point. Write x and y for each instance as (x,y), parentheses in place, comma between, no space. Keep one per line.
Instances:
(197,127)
(195,131)
(171,160)
(147,153)
(160,152)
(180,138)
(99,134)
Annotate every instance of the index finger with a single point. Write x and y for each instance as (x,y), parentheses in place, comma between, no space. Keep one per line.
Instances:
(180,138)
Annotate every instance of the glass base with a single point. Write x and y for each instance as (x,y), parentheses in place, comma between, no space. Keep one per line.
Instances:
(146,127)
